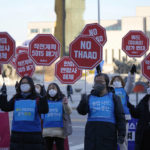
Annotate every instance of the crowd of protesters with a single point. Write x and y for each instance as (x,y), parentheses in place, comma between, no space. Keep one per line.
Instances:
(42,117)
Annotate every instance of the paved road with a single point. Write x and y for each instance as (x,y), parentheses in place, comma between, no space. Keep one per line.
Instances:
(76,140)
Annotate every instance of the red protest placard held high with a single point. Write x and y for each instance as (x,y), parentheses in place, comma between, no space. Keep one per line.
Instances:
(24,65)
(85,52)
(7,48)
(96,31)
(66,71)
(135,43)
(19,50)
(44,49)
(146,67)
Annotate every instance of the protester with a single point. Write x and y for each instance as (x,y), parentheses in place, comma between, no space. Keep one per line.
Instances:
(57,123)
(142,113)
(40,89)
(122,90)
(69,92)
(106,117)
(26,131)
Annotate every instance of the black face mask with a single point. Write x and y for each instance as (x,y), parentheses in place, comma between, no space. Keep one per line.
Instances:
(99,87)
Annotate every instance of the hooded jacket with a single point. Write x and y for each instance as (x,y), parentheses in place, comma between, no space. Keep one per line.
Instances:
(25,140)
(99,134)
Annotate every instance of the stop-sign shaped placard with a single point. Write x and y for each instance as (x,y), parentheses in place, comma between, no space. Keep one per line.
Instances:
(66,71)
(24,65)
(19,49)
(85,52)
(7,48)
(44,49)
(146,67)
(135,43)
(97,31)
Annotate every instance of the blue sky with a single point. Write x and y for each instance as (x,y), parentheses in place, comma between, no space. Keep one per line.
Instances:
(16,14)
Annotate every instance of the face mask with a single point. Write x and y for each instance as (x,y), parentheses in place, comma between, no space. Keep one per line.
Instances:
(52,92)
(148,91)
(25,87)
(117,84)
(99,87)
(37,90)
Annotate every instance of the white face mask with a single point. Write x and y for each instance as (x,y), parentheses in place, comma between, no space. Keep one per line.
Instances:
(117,84)
(37,90)
(52,92)
(25,87)
(148,91)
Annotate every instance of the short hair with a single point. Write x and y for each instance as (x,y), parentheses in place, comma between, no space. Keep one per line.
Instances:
(120,78)
(105,77)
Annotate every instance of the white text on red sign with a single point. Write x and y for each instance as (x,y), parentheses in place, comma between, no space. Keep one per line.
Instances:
(86,46)
(94,32)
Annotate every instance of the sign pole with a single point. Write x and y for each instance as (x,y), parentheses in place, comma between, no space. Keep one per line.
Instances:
(85,81)
(98,11)
(43,74)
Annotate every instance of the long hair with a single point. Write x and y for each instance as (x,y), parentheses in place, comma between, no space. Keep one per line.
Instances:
(30,81)
(59,94)
(120,78)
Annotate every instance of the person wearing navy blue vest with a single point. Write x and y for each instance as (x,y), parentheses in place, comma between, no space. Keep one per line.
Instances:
(26,132)
(122,90)
(105,116)
(54,129)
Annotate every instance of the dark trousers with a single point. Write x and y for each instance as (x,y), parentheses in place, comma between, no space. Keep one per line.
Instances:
(49,141)
(69,97)
(146,140)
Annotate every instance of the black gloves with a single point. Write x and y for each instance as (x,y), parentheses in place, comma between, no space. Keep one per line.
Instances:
(4,89)
(43,91)
(120,140)
(98,69)
(133,69)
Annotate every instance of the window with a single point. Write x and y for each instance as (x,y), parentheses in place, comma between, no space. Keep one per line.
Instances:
(115,27)
(34,30)
(46,30)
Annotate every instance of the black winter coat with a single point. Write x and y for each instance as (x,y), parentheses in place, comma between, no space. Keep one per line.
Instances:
(25,140)
(141,112)
(102,135)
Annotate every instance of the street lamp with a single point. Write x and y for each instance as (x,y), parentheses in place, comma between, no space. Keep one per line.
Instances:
(98,1)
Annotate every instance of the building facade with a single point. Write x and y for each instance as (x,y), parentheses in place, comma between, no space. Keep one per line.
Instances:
(115,30)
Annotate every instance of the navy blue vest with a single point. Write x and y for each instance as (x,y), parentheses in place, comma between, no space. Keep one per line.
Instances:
(54,118)
(101,108)
(26,117)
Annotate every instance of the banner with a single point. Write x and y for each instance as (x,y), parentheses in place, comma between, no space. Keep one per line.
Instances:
(4,131)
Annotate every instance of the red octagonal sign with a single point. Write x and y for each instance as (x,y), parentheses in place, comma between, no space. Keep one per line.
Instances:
(135,43)
(24,65)
(44,49)
(7,48)
(97,31)
(85,52)
(66,71)
(19,50)
(146,67)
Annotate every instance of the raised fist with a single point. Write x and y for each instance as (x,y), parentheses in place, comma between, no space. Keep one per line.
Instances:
(133,69)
